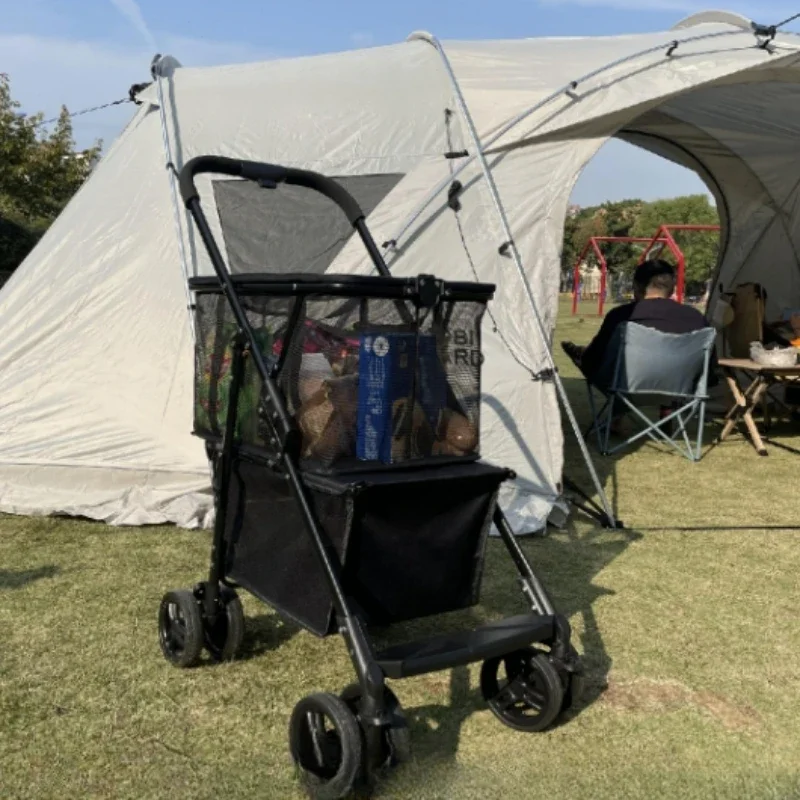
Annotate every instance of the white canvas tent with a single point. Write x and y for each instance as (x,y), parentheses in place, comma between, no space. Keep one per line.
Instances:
(96,352)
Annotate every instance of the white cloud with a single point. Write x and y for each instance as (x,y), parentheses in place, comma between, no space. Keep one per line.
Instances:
(361,39)
(47,72)
(131,11)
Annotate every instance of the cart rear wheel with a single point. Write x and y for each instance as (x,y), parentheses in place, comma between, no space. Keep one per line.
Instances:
(326,745)
(180,628)
(224,638)
(523,689)
(396,738)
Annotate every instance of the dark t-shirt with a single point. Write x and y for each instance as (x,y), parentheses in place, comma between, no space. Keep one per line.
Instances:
(664,315)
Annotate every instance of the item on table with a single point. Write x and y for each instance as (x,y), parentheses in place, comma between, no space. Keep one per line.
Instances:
(774,357)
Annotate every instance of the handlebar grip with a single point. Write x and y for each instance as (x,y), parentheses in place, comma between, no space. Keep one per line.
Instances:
(256,171)
(236,168)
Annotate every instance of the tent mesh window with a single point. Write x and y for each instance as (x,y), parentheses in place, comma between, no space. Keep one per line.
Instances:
(290,229)
(370,381)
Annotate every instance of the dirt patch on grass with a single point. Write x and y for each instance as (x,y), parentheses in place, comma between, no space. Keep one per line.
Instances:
(662,696)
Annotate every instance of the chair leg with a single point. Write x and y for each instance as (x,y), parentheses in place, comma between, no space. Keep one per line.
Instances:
(609,419)
(655,430)
(701,421)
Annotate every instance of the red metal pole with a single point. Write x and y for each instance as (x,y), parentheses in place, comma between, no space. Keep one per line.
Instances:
(652,244)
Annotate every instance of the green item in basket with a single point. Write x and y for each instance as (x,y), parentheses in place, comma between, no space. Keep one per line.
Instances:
(214,373)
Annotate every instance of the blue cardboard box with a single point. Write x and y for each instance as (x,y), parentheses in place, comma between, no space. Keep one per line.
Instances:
(385,375)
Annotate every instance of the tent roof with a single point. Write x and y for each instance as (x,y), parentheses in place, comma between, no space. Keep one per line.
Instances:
(501,78)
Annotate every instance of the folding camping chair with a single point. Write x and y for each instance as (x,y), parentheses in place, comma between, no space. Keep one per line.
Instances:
(645,367)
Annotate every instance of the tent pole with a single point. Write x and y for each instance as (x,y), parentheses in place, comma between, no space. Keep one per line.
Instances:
(523,115)
(171,176)
(512,249)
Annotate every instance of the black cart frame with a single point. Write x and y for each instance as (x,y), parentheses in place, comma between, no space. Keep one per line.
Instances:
(375,709)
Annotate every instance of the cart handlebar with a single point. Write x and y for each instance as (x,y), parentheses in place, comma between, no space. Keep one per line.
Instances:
(270,174)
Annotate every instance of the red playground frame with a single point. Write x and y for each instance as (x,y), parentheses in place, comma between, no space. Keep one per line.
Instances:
(662,239)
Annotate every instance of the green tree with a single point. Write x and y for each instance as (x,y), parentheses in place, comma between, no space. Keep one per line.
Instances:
(608,219)
(700,248)
(39,173)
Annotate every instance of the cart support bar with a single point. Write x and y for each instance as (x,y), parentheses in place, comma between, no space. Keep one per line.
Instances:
(269,173)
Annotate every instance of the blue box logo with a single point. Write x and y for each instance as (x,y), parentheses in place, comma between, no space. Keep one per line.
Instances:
(386,375)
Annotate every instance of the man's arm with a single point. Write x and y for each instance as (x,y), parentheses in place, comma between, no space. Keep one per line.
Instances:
(596,350)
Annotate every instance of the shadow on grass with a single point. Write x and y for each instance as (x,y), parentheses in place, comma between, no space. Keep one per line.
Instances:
(436,728)
(11,579)
(263,634)
(567,563)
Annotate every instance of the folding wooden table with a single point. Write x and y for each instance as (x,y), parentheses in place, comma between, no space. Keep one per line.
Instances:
(748,397)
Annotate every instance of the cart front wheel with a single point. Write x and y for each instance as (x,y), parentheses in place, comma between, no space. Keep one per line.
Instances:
(326,746)
(523,689)
(224,638)
(180,628)
(395,736)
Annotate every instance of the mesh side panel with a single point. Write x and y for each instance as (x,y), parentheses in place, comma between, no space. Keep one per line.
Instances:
(216,327)
(367,380)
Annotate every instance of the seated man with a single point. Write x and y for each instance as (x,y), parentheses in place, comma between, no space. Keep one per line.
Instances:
(653,286)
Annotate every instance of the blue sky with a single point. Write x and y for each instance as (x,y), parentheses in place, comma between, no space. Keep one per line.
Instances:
(86,52)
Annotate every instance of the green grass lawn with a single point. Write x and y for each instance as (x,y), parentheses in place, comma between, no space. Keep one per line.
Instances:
(688,621)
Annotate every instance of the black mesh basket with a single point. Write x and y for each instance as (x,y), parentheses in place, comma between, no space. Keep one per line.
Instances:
(375,371)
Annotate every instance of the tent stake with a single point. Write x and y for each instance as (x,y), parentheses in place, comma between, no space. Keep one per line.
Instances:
(514,252)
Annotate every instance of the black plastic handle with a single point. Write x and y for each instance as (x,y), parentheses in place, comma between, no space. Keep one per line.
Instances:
(272,173)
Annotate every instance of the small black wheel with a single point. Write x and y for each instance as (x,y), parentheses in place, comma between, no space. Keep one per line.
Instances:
(523,689)
(396,737)
(326,746)
(224,638)
(180,628)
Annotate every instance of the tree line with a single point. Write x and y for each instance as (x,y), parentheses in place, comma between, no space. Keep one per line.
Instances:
(640,218)
(40,171)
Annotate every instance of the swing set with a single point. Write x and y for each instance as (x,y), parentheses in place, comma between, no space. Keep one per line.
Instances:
(656,245)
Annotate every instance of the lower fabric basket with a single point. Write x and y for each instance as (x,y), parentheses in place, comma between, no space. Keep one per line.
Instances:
(411,542)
